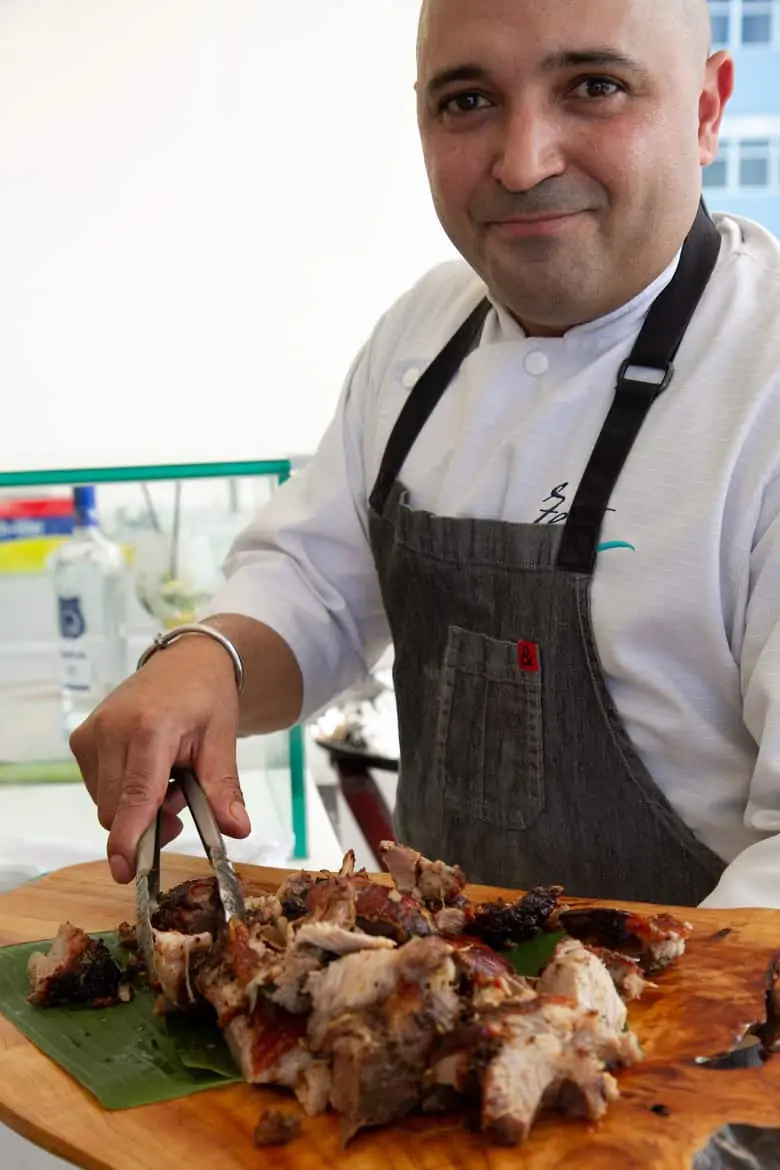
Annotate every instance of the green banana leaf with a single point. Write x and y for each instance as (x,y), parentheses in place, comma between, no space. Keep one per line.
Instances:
(530,957)
(124,1055)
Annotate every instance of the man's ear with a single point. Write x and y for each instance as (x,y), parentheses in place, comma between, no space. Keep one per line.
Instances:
(718,88)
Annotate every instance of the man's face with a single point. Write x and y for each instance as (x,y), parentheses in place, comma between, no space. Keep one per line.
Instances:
(564,141)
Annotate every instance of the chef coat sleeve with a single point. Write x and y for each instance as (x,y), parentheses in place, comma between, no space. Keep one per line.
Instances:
(753,878)
(304,565)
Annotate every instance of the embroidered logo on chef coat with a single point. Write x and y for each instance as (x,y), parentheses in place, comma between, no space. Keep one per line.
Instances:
(554,511)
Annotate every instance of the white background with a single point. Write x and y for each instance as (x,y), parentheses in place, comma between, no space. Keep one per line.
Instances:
(205,205)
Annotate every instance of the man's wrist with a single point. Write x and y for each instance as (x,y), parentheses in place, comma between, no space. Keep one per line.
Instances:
(193,630)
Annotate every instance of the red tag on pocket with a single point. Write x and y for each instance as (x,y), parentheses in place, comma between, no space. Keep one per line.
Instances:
(528,656)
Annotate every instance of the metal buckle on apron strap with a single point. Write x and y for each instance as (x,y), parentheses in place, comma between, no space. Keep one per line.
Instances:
(645,376)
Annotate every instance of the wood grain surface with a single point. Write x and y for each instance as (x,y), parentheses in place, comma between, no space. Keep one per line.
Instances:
(702,1006)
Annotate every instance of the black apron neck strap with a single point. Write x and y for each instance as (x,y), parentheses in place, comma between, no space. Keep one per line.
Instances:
(424,399)
(642,378)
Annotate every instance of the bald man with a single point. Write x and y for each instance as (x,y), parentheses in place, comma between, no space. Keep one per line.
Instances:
(552,481)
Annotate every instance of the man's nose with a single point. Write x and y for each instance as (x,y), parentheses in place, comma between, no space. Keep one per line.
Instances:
(531,150)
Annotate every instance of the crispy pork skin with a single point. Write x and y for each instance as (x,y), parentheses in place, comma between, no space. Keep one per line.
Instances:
(390,913)
(269,1045)
(655,941)
(504,925)
(76,969)
(192,907)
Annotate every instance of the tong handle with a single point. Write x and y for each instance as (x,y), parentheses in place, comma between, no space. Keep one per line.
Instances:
(208,830)
(148,858)
(198,804)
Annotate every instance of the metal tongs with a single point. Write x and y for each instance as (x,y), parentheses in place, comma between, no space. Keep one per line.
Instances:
(147,879)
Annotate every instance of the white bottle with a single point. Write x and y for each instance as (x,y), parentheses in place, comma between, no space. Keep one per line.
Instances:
(90,583)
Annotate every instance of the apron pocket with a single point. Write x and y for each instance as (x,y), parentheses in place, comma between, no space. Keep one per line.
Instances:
(488,757)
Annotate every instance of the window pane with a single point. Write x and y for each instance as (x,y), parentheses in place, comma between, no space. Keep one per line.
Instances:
(715,175)
(720,28)
(754,172)
(757,29)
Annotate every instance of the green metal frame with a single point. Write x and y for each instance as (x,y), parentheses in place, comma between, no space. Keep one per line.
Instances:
(281,470)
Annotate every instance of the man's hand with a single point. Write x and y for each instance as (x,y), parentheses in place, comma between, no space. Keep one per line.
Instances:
(181,709)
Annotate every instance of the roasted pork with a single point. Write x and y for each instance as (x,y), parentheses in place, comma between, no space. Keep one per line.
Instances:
(77,969)
(654,941)
(376,999)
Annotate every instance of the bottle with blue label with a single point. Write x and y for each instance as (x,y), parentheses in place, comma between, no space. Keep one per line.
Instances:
(90,584)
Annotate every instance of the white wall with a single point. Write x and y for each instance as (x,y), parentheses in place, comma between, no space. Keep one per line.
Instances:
(204,207)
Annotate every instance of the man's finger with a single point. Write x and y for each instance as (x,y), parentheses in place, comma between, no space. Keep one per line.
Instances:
(171,827)
(112,764)
(144,785)
(85,754)
(217,771)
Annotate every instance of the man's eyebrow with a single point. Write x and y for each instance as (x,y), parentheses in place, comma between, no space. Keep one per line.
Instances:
(565,59)
(447,77)
(596,57)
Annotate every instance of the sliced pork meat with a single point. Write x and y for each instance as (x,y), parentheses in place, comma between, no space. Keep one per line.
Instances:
(358,981)
(377,1021)
(293,892)
(77,969)
(269,1045)
(286,984)
(234,970)
(577,973)
(336,940)
(313,1087)
(548,1052)
(175,960)
(451,920)
(127,936)
(314,945)
(379,1059)
(378,999)
(625,973)
(348,864)
(263,909)
(655,941)
(487,979)
(333,901)
(431,882)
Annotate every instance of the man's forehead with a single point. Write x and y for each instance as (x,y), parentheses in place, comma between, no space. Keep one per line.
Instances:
(630,26)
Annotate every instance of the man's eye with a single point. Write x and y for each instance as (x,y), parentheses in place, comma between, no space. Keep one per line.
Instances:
(463,103)
(598,87)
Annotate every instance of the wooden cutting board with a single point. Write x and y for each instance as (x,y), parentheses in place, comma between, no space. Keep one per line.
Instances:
(702,1007)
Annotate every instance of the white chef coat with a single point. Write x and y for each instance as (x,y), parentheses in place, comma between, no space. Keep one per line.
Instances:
(686,592)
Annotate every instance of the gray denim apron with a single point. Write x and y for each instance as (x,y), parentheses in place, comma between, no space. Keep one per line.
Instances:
(515,762)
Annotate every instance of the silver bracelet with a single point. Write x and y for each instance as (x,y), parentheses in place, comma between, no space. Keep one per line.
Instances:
(170,636)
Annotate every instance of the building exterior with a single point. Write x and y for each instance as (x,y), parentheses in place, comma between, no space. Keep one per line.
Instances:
(745,177)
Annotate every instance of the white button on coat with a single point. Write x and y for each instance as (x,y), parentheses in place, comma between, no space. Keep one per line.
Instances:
(537,363)
(410,378)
